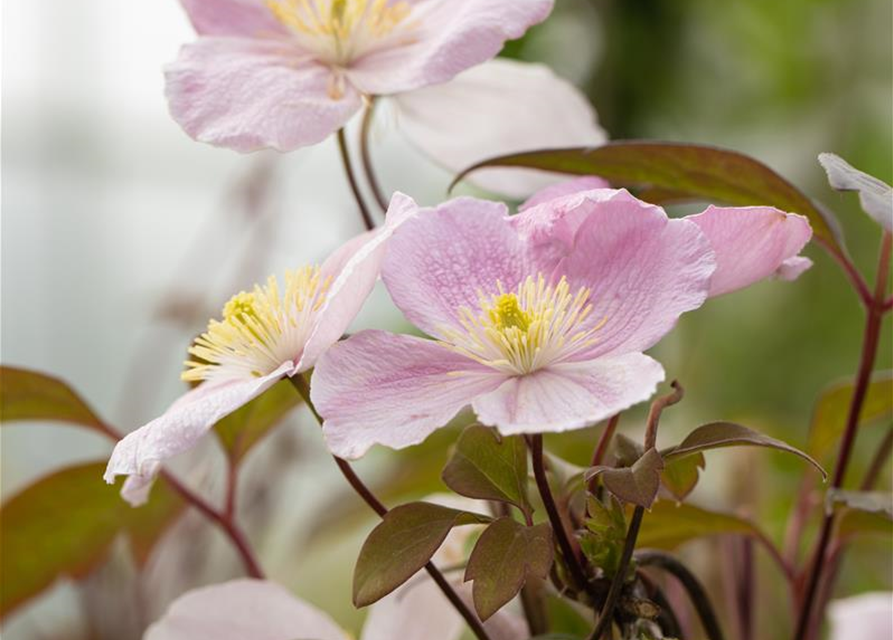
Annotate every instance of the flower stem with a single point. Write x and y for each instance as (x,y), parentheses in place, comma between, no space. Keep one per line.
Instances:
(874,318)
(877,463)
(352,180)
(692,586)
(223,520)
(366,158)
(607,612)
(300,383)
(226,524)
(602,448)
(571,557)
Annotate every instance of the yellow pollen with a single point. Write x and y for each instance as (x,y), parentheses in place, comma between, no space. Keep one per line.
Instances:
(260,329)
(521,331)
(341,30)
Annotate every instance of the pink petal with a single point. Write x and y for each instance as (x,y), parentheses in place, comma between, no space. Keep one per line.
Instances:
(868,616)
(875,196)
(249,94)
(570,395)
(355,268)
(250,18)
(443,257)
(380,388)
(792,268)
(243,609)
(141,452)
(750,243)
(564,188)
(643,269)
(449,36)
(499,107)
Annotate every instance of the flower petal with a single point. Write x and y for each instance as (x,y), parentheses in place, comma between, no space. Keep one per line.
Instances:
(562,189)
(643,269)
(141,452)
(443,257)
(875,196)
(355,268)
(868,616)
(241,609)
(497,108)
(447,37)
(249,18)
(570,395)
(750,243)
(792,268)
(380,388)
(249,94)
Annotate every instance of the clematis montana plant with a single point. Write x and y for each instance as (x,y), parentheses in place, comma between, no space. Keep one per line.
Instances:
(538,316)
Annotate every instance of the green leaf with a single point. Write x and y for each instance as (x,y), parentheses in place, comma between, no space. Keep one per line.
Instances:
(863,512)
(670,524)
(505,556)
(63,524)
(681,474)
(404,541)
(488,466)
(718,435)
(637,484)
(566,618)
(29,395)
(241,430)
(671,172)
(605,536)
(831,409)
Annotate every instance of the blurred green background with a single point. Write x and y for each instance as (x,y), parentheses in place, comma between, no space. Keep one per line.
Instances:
(781,81)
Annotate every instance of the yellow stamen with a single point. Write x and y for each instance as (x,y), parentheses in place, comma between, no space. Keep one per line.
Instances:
(260,329)
(519,332)
(344,29)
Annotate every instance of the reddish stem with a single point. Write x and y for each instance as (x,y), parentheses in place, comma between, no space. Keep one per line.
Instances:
(863,378)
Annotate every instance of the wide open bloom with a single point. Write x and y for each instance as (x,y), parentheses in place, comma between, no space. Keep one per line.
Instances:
(271,332)
(539,320)
(287,73)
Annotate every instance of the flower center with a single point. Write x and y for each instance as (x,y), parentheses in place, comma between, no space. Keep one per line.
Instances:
(518,332)
(260,329)
(340,31)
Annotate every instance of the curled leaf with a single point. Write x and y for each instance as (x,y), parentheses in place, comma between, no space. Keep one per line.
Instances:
(637,484)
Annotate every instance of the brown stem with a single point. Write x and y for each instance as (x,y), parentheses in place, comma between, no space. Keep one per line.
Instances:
(366,158)
(693,587)
(657,407)
(226,524)
(602,448)
(667,617)
(869,353)
(300,383)
(352,180)
(851,272)
(571,557)
(607,612)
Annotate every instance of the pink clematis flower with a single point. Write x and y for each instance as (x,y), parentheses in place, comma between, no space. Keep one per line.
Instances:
(265,335)
(287,73)
(540,320)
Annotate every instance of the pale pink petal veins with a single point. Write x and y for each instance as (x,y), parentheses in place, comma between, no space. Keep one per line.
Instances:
(497,108)
(439,261)
(446,37)
(562,189)
(354,277)
(241,610)
(569,395)
(249,18)
(180,427)
(380,388)
(750,243)
(250,94)
(643,270)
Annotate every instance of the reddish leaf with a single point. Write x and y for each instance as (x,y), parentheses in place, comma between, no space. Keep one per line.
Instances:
(637,484)
(29,395)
